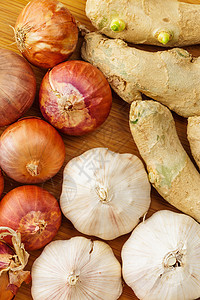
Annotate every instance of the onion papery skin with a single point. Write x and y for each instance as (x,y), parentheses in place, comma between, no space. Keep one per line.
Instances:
(17,86)
(1,183)
(31,151)
(12,263)
(46,33)
(75,97)
(33,212)
(4,283)
(6,253)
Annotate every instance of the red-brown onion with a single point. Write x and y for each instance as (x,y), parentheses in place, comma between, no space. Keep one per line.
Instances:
(46,33)
(75,97)
(31,151)
(33,212)
(17,86)
(1,183)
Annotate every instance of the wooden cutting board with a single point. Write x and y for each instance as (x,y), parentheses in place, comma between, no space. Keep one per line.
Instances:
(113,134)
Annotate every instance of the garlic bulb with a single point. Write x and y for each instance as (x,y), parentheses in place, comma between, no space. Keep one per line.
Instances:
(161,259)
(105,193)
(76,269)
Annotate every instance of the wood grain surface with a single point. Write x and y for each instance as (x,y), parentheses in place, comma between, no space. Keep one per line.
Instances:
(113,134)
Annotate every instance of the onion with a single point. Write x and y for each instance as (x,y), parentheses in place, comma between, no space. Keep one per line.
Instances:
(1,183)
(46,33)
(12,263)
(17,86)
(33,212)
(75,97)
(31,151)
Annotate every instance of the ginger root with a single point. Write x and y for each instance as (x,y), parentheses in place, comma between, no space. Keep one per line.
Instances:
(170,169)
(193,135)
(170,77)
(156,22)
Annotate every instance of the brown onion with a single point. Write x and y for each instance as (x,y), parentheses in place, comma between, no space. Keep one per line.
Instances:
(33,212)
(75,97)
(12,263)
(1,183)
(17,86)
(46,33)
(31,151)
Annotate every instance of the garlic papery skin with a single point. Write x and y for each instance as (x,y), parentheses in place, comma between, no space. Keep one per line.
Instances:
(76,269)
(105,193)
(161,259)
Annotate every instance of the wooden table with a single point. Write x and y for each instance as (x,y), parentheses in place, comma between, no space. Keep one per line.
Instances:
(113,134)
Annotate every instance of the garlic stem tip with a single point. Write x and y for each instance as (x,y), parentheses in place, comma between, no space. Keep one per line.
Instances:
(72,279)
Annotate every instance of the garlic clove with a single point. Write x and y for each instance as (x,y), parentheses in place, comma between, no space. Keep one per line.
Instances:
(161,259)
(105,193)
(76,269)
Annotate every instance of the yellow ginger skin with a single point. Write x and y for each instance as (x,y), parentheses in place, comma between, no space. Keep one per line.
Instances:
(144,20)
(193,135)
(170,77)
(170,169)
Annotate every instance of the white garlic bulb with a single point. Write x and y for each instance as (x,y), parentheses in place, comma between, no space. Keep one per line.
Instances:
(105,193)
(161,259)
(76,269)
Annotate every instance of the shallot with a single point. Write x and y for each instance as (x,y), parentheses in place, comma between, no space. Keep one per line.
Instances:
(1,183)
(33,212)
(17,86)
(46,33)
(31,151)
(75,97)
